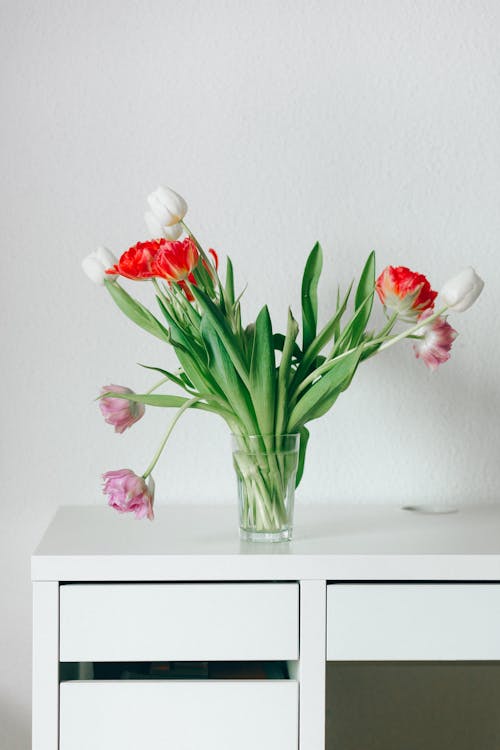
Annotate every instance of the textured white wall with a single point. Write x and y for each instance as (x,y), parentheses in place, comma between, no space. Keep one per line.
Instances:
(362,124)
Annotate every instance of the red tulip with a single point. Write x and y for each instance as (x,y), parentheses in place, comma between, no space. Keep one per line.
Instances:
(175,261)
(192,280)
(407,293)
(138,262)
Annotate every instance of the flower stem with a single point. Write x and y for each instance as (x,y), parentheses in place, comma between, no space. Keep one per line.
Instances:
(212,274)
(386,343)
(413,329)
(160,291)
(198,246)
(160,382)
(172,424)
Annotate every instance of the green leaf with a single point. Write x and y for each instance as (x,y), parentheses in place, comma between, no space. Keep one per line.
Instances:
(170,375)
(224,332)
(136,312)
(284,372)
(322,339)
(191,354)
(310,281)
(166,401)
(263,373)
(248,338)
(229,285)
(182,335)
(363,300)
(279,343)
(227,378)
(323,393)
(304,439)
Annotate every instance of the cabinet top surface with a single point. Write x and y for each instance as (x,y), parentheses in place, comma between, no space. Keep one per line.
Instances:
(331,542)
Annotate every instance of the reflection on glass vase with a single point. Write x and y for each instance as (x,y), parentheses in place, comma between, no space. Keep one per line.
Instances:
(266,467)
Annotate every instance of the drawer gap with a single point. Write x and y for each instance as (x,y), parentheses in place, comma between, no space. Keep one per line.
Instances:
(177,670)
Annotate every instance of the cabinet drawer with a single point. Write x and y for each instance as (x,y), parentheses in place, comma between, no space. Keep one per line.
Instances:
(185,715)
(184,622)
(376,622)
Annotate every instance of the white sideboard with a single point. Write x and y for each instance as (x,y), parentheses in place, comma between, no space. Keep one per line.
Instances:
(358,583)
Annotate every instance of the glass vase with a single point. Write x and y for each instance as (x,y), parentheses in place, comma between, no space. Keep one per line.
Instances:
(266,467)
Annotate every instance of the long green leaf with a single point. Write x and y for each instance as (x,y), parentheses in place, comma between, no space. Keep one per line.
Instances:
(222,368)
(136,312)
(191,354)
(322,339)
(170,375)
(230,341)
(284,372)
(347,340)
(180,335)
(363,300)
(304,439)
(263,373)
(229,285)
(248,338)
(155,399)
(279,343)
(322,394)
(310,281)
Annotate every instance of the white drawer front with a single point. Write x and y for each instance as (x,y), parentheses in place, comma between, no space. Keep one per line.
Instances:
(185,622)
(182,715)
(398,622)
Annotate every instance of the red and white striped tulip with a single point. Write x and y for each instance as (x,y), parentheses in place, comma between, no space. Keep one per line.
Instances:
(405,292)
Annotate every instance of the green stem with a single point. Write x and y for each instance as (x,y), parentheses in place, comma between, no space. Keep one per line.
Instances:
(160,291)
(326,366)
(160,382)
(198,246)
(174,421)
(211,274)
(413,329)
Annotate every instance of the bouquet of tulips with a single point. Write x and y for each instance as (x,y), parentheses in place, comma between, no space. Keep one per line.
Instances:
(266,385)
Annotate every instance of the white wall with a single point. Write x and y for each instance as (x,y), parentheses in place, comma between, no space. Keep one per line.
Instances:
(362,124)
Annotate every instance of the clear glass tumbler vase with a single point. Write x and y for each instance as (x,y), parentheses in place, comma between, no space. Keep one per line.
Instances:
(266,467)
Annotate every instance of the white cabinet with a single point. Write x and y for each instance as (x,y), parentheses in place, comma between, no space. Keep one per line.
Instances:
(182,715)
(405,622)
(179,622)
(357,584)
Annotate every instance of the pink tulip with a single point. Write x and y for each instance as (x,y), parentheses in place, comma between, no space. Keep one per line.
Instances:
(438,337)
(120,412)
(129,493)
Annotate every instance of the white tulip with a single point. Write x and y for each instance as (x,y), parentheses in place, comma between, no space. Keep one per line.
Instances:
(460,292)
(167,206)
(156,229)
(96,263)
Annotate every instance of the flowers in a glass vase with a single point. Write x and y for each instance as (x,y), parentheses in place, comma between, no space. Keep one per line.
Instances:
(265,384)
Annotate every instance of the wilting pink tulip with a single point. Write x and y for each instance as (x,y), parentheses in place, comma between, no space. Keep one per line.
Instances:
(118,411)
(129,493)
(438,337)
